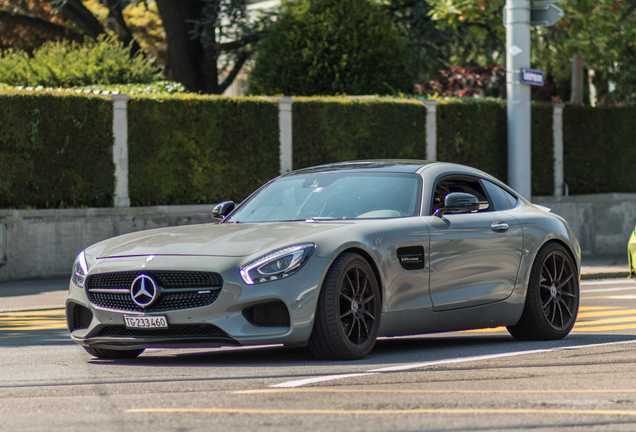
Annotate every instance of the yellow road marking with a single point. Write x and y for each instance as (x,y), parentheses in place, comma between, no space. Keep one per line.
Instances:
(385,412)
(38,327)
(429,391)
(19,336)
(605,328)
(591,308)
(32,320)
(606,321)
(486,330)
(59,311)
(607,313)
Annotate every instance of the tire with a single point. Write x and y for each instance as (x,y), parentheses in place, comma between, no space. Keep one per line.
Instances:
(104,353)
(348,311)
(552,301)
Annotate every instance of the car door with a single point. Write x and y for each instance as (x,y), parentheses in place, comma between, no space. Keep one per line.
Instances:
(474,257)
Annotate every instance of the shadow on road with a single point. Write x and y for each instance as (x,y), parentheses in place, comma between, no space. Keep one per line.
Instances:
(387,352)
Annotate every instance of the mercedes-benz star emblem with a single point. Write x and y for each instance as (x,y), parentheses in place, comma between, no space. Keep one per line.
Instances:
(143,291)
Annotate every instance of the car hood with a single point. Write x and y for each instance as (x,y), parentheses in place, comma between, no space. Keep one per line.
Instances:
(230,240)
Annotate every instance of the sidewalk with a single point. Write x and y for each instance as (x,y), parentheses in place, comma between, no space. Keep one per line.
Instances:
(51,293)
(604,267)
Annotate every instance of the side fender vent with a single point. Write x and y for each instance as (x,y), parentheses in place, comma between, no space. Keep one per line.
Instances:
(411,257)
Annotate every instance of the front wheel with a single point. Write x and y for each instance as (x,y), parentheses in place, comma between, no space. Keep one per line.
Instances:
(104,353)
(348,312)
(552,301)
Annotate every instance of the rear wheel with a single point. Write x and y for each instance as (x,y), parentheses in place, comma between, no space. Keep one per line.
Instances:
(348,312)
(552,301)
(104,353)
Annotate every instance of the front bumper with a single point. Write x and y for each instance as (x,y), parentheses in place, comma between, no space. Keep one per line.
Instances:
(240,315)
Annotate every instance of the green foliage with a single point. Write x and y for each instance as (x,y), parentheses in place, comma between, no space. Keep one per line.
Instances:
(330,47)
(542,149)
(68,64)
(604,33)
(474,32)
(599,155)
(187,149)
(475,133)
(339,129)
(55,150)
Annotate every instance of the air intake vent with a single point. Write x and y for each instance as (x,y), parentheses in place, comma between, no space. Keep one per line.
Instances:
(269,314)
(411,257)
(82,317)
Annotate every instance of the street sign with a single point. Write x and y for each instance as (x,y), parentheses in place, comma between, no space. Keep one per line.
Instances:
(532,77)
(544,14)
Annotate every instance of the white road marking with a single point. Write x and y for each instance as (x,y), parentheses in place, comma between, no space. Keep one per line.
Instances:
(300,383)
(609,282)
(586,291)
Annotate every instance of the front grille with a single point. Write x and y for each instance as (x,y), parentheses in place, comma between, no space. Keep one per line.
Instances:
(82,317)
(164,302)
(411,257)
(167,279)
(269,314)
(175,331)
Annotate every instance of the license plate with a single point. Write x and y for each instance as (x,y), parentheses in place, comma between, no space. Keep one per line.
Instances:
(153,322)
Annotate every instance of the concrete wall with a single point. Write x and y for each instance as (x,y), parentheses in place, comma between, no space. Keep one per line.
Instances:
(44,243)
(602,223)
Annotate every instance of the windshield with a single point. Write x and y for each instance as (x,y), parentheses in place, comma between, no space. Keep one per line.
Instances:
(328,196)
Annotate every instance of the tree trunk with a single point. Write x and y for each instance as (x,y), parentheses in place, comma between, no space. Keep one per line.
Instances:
(577,79)
(188,61)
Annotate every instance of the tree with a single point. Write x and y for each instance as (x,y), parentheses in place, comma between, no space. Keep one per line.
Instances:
(329,47)
(603,32)
(208,41)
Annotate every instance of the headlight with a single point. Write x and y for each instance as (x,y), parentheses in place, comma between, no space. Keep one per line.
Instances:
(80,270)
(277,265)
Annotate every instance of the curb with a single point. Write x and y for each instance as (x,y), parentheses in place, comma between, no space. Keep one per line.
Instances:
(606,275)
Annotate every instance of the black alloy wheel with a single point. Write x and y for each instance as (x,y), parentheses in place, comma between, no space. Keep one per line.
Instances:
(348,312)
(552,301)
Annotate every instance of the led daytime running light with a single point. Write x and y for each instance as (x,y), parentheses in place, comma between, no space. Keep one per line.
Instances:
(80,270)
(299,255)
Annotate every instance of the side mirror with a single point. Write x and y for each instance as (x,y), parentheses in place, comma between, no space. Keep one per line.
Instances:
(221,210)
(458,202)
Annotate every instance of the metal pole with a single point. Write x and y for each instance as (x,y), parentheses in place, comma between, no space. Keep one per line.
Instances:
(517,20)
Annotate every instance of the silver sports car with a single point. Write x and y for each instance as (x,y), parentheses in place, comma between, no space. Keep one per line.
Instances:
(333,257)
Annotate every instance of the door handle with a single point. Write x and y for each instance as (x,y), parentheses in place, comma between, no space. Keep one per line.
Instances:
(499,226)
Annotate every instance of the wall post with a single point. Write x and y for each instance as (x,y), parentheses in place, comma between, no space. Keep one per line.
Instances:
(286,141)
(557,130)
(431,130)
(120,149)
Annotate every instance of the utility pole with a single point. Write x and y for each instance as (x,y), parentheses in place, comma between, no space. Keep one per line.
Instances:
(517,22)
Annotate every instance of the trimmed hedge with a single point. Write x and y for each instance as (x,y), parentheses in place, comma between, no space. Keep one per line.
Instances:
(186,149)
(599,154)
(55,150)
(475,134)
(332,129)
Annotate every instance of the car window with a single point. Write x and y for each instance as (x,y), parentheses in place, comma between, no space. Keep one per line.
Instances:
(464,184)
(326,196)
(501,199)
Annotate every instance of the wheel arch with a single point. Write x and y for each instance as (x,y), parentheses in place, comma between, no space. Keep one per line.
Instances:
(376,271)
(567,248)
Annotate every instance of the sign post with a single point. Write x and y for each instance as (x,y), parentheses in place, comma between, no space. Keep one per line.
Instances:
(518,16)
(517,22)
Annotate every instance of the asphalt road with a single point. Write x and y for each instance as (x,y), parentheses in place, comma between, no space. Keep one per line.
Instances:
(462,381)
